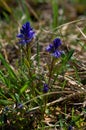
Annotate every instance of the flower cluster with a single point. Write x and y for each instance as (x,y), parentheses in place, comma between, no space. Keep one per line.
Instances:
(26,34)
(53,48)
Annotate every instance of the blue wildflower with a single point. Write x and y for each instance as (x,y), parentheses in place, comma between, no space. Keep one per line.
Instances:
(45,88)
(70,128)
(20,105)
(57,53)
(53,48)
(26,34)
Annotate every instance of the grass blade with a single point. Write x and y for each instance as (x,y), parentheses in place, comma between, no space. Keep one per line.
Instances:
(64,62)
(7,66)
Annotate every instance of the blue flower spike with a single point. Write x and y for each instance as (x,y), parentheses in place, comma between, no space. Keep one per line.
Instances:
(45,88)
(53,48)
(26,34)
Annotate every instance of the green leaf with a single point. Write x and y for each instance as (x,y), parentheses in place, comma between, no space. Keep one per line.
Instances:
(55,13)
(17,97)
(9,69)
(2,95)
(22,90)
(5,5)
(5,102)
(65,60)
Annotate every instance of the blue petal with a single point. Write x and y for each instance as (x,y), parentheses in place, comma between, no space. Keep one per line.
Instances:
(70,128)
(27,24)
(20,36)
(57,42)
(24,26)
(57,54)
(50,48)
(45,88)
(22,31)
(30,34)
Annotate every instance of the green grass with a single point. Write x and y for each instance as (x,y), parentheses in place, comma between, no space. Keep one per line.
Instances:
(55,13)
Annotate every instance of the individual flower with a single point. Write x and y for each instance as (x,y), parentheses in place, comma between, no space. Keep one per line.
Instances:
(26,34)
(45,88)
(53,48)
(57,42)
(19,105)
(6,108)
(70,128)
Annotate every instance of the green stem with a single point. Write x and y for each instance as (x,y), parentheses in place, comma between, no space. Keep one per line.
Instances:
(51,70)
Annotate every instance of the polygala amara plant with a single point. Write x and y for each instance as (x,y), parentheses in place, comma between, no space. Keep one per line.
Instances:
(30,89)
(26,36)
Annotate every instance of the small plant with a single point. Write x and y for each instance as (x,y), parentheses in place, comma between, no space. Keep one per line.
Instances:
(28,90)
